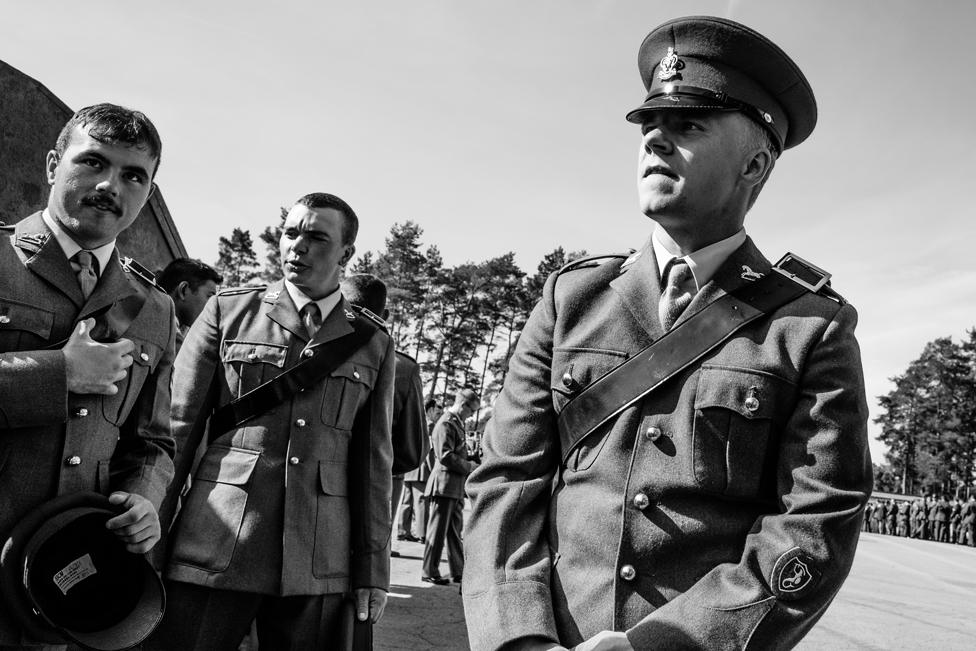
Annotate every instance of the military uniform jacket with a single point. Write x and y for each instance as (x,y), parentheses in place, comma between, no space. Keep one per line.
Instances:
(721,512)
(451,464)
(53,442)
(273,506)
(410,441)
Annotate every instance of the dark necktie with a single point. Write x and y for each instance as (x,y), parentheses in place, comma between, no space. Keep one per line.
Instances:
(312,318)
(678,292)
(87,274)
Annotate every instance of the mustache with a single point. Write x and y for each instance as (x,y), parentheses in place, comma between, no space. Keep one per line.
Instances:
(102,203)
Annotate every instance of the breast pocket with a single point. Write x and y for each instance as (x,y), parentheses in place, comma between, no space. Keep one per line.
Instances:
(344,391)
(737,412)
(145,358)
(248,364)
(23,326)
(572,370)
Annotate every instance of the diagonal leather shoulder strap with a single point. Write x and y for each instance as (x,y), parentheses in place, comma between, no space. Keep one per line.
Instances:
(326,358)
(692,339)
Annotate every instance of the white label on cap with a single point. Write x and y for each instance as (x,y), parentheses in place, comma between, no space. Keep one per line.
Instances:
(74,573)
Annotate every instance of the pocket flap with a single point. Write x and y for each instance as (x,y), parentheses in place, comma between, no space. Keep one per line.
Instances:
(574,368)
(357,373)
(15,315)
(751,394)
(226,465)
(253,352)
(145,353)
(333,478)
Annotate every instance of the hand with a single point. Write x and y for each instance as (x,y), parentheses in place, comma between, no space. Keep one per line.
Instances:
(94,367)
(370,602)
(138,525)
(605,641)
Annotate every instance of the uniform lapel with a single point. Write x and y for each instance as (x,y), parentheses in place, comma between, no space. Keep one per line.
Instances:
(113,285)
(45,257)
(282,310)
(336,324)
(639,288)
(735,272)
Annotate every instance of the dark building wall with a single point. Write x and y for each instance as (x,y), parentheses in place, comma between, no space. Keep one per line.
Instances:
(31,117)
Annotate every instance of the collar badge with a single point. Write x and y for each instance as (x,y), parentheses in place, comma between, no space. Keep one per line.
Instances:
(749,274)
(350,315)
(670,65)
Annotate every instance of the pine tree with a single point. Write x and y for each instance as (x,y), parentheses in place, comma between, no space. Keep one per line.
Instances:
(236,260)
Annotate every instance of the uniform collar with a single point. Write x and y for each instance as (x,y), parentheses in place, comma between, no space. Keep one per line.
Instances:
(704,262)
(300,299)
(103,253)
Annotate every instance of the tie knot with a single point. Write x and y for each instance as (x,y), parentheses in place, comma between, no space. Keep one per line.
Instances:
(87,260)
(311,317)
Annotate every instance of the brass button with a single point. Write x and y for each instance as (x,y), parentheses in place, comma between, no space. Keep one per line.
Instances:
(307,352)
(4,319)
(752,403)
(641,501)
(653,433)
(73,460)
(144,357)
(355,374)
(294,461)
(300,422)
(568,380)
(628,573)
(81,413)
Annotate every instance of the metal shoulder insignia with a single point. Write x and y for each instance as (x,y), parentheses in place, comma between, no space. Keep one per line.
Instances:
(590,262)
(807,275)
(372,316)
(149,278)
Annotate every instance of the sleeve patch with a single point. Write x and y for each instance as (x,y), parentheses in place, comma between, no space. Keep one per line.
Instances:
(795,575)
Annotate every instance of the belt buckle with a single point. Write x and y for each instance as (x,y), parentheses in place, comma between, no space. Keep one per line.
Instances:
(802,272)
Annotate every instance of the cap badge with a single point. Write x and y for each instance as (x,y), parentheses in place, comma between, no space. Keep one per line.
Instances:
(794,576)
(670,65)
(749,274)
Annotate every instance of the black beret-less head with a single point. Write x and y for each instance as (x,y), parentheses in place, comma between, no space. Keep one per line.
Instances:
(714,63)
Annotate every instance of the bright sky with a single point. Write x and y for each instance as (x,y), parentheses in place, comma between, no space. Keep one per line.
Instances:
(498,125)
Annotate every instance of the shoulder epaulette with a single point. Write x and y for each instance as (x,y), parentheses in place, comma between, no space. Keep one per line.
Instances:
(149,278)
(590,261)
(234,291)
(372,316)
(403,354)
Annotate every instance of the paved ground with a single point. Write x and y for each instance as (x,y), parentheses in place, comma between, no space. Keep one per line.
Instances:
(902,594)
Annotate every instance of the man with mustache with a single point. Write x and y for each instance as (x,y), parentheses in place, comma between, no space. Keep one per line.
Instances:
(678,459)
(85,399)
(289,508)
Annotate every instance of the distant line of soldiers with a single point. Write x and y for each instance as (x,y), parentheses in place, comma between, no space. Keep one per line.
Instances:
(941,520)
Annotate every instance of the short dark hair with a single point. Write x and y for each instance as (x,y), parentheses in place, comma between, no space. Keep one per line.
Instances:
(194,272)
(110,123)
(365,290)
(430,404)
(350,222)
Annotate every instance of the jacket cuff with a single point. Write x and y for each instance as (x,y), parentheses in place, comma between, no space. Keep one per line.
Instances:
(371,569)
(506,612)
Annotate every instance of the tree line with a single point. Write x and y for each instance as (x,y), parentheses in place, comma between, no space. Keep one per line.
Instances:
(460,323)
(929,423)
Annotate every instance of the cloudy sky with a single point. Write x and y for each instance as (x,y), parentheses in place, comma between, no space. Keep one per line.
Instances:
(498,126)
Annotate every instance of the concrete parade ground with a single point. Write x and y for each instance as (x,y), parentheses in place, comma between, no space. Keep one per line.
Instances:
(901,594)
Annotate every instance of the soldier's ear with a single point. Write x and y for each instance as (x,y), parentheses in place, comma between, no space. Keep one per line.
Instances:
(758,165)
(51,166)
(347,256)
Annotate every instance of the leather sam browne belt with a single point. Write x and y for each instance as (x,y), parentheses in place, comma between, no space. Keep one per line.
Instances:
(305,374)
(689,341)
